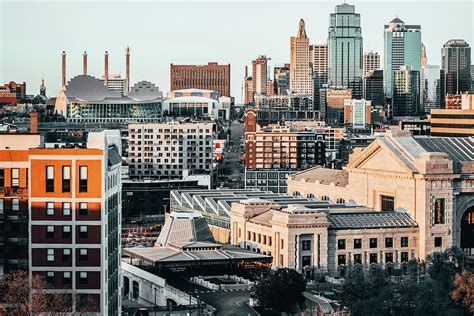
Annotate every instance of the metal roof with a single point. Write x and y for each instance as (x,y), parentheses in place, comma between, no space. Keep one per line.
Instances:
(370,220)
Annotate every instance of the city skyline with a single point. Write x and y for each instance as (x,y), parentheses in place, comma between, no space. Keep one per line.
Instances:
(185,39)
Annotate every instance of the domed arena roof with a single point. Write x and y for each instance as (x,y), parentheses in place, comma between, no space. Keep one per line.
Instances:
(144,91)
(87,88)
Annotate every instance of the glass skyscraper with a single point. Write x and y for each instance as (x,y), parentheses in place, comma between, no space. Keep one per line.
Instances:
(406,92)
(402,48)
(456,62)
(432,88)
(345,50)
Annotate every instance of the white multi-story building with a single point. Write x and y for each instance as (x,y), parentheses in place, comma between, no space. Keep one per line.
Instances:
(301,80)
(170,150)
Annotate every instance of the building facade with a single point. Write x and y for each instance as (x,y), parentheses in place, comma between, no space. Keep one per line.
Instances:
(406,92)
(357,113)
(373,88)
(335,99)
(454,122)
(371,62)
(300,62)
(345,50)
(209,77)
(12,93)
(277,108)
(170,151)
(402,48)
(281,79)
(259,75)
(430,178)
(456,63)
(73,214)
(319,59)
(432,96)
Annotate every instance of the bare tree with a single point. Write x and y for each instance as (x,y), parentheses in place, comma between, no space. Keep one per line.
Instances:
(22,296)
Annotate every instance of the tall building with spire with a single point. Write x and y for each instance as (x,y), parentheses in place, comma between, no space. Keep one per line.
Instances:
(402,48)
(300,62)
(42,88)
(345,50)
(455,63)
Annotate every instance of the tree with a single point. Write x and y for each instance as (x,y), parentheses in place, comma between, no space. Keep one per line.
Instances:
(463,292)
(280,291)
(22,296)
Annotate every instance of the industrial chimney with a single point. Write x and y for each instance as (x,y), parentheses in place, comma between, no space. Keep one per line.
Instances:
(84,63)
(106,68)
(127,69)
(63,70)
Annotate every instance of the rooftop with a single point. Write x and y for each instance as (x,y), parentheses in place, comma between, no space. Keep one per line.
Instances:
(323,175)
(367,220)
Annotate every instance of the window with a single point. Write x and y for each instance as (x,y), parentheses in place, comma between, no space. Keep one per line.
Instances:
(83,278)
(388,242)
(66,231)
(67,277)
(83,179)
(438,241)
(50,255)
(50,208)
(83,232)
(341,259)
(388,203)
(83,208)
(66,179)
(282,243)
(49,231)
(15,204)
(66,208)
(49,178)
(135,290)
(404,241)
(373,243)
(15,180)
(357,243)
(306,245)
(2,178)
(404,256)
(373,258)
(83,256)
(388,257)
(341,244)
(50,277)
(2,206)
(439,208)
(66,254)
(306,261)
(358,258)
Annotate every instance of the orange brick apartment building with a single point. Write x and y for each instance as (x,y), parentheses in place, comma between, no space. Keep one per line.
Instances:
(61,216)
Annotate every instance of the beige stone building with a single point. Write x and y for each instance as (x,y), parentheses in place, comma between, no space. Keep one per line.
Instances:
(301,80)
(323,238)
(430,178)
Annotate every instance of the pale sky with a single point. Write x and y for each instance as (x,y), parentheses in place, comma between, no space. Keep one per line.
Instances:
(34,33)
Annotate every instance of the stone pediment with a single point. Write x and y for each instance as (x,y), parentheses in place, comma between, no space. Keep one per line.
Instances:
(378,157)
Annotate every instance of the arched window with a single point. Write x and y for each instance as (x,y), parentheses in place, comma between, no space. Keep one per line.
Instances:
(324,198)
(340,201)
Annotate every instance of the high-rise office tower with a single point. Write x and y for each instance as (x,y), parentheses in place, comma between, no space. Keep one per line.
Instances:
(345,50)
(406,92)
(281,79)
(456,63)
(248,87)
(472,77)
(402,48)
(373,88)
(371,62)
(300,63)
(319,59)
(259,74)
(432,88)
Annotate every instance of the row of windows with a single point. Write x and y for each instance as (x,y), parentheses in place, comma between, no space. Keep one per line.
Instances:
(66,208)
(15,205)
(66,277)
(66,179)
(66,231)
(373,243)
(373,258)
(66,255)
(259,238)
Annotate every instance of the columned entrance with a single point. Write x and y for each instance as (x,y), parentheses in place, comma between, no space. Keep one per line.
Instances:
(467,231)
